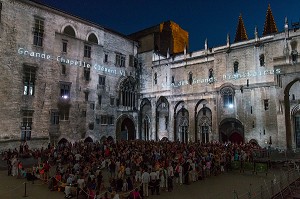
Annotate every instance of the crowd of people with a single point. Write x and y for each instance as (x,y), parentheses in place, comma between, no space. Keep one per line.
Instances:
(134,167)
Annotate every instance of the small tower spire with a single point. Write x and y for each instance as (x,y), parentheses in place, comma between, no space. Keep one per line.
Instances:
(286,27)
(241,33)
(228,40)
(205,45)
(270,25)
(256,34)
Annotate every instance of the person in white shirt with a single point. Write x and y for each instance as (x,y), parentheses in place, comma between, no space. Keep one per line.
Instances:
(145,181)
(138,175)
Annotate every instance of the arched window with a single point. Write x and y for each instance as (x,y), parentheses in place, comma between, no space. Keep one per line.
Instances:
(128,92)
(92,38)
(190,78)
(228,97)
(69,31)
(294,55)
(236,67)
(262,60)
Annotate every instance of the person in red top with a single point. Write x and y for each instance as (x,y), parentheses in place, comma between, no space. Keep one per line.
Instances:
(136,194)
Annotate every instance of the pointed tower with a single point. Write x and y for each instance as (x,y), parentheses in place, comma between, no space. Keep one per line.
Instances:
(241,33)
(270,25)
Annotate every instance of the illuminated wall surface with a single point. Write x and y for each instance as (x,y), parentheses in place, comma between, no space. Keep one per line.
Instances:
(63,78)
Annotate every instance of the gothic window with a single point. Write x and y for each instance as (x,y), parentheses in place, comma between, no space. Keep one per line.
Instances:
(38,31)
(65,89)
(26,125)
(120,60)
(227,96)
(190,78)
(104,120)
(236,67)
(69,31)
(54,117)
(101,80)
(294,55)
(173,79)
(86,73)
(110,119)
(29,80)
(155,78)
(262,60)
(87,51)
(128,93)
(64,114)
(93,38)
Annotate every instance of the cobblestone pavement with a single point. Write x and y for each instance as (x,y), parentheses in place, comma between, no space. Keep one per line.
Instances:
(214,187)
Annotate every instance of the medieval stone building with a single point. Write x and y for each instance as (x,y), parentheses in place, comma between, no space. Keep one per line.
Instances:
(245,91)
(64,78)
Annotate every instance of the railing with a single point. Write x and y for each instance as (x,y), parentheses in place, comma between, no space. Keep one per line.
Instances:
(279,187)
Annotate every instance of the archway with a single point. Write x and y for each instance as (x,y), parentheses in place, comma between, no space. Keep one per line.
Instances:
(182,119)
(231,130)
(88,139)
(287,113)
(145,120)
(204,123)
(126,128)
(162,118)
(62,141)
(296,124)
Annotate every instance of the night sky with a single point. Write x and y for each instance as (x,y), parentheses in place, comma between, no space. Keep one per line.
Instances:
(211,19)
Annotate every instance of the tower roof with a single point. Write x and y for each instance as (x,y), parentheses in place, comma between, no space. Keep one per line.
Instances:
(270,25)
(241,33)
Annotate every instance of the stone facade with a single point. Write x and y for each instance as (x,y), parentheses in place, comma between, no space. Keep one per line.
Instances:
(66,79)
(239,92)
(75,74)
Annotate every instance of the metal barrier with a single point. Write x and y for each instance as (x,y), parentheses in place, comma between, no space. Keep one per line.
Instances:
(280,187)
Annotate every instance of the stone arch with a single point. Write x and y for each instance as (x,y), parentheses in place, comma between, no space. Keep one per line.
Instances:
(182,125)
(88,139)
(62,141)
(231,129)
(204,123)
(253,142)
(92,37)
(145,120)
(162,117)
(202,101)
(126,127)
(287,113)
(295,114)
(175,118)
(103,139)
(69,29)
(110,139)
(164,139)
